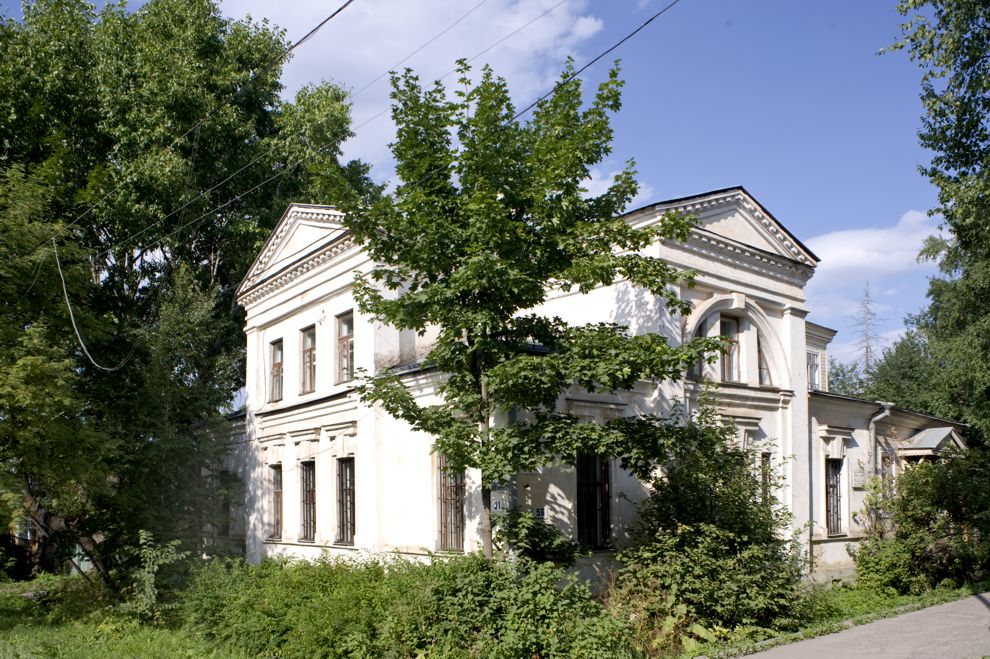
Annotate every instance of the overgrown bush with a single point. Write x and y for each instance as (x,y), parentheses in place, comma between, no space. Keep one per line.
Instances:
(151,582)
(534,538)
(709,555)
(931,528)
(457,607)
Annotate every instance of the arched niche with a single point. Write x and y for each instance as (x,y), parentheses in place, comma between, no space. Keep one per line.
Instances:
(738,305)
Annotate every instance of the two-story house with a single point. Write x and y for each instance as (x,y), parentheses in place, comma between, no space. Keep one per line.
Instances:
(326,473)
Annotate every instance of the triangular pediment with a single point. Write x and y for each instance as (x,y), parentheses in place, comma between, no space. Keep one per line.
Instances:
(733,214)
(302,230)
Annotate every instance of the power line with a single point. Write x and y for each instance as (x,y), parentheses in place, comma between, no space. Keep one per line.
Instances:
(556,87)
(75,327)
(320,26)
(355,128)
(199,123)
(598,57)
(421,47)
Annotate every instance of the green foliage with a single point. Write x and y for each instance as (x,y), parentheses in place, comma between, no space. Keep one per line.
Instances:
(456,607)
(845,379)
(534,538)
(490,218)
(908,375)
(949,40)
(102,147)
(933,528)
(708,549)
(144,596)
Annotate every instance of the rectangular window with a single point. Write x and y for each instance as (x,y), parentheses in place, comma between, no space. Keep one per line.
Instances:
(345,347)
(345,501)
(307,483)
(729,329)
(814,372)
(594,525)
(276,476)
(308,359)
(833,497)
(451,508)
(276,371)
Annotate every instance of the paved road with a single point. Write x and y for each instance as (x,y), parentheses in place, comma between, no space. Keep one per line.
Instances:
(956,629)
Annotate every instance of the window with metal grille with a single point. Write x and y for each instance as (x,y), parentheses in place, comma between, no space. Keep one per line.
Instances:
(451,497)
(308,359)
(345,347)
(833,498)
(345,501)
(276,372)
(594,525)
(307,481)
(814,371)
(276,474)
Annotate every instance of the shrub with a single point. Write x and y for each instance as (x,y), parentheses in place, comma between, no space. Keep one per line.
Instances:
(457,607)
(534,538)
(709,552)
(932,528)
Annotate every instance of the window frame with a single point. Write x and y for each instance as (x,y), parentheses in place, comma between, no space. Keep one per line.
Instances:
(276,371)
(729,359)
(307,510)
(345,348)
(346,502)
(833,497)
(450,508)
(307,361)
(277,502)
(815,383)
(594,501)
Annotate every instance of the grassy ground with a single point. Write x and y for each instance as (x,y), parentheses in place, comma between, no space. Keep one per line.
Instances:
(71,622)
(65,619)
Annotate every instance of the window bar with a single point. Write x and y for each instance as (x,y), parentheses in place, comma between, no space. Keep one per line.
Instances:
(345,501)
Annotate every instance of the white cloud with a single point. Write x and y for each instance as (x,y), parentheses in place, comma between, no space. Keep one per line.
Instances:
(872,253)
(849,351)
(369,38)
(601,178)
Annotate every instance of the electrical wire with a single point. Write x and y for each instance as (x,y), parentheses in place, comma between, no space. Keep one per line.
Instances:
(355,128)
(598,57)
(75,327)
(320,26)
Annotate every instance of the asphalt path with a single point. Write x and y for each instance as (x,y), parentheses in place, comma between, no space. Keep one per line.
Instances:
(956,629)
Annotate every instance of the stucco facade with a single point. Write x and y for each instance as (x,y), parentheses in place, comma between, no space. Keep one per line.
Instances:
(324,473)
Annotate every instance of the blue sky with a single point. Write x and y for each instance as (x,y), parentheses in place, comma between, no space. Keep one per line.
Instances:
(789,99)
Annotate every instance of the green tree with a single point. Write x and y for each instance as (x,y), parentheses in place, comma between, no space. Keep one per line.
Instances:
(907,375)
(154,147)
(844,378)
(949,39)
(489,219)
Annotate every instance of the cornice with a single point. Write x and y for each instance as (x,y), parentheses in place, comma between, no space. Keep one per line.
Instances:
(712,246)
(280,280)
(697,206)
(296,213)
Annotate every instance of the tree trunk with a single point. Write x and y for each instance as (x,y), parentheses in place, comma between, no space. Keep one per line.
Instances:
(486,490)
(486,520)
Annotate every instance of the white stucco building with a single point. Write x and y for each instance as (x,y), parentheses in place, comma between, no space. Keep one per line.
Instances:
(325,473)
